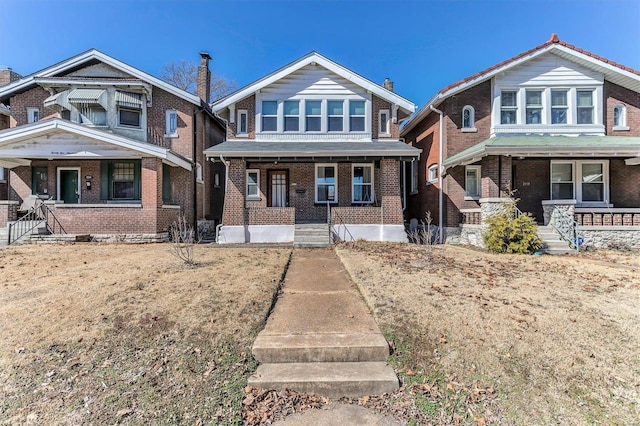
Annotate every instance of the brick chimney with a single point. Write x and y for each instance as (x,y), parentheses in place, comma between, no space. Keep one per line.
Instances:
(203,87)
(7,75)
(388,84)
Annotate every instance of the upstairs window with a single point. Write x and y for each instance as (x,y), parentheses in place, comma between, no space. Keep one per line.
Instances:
(534,107)
(93,114)
(468,117)
(559,107)
(383,128)
(433,173)
(508,107)
(313,118)
(291,116)
(414,176)
(129,109)
(362,184)
(33,115)
(335,112)
(171,121)
(620,117)
(585,106)
(269,116)
(129,118)
(243,123)
(356,116)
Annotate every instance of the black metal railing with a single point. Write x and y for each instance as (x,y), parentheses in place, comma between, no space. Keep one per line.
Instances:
(36,217)
(333,216)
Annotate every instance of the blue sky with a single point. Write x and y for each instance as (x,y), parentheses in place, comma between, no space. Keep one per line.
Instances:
(421,45)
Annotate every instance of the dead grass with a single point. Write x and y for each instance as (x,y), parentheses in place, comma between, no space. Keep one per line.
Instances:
(128,334)
(556,338)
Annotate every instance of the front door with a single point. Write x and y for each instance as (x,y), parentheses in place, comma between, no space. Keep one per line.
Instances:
(278,188)
(69,189)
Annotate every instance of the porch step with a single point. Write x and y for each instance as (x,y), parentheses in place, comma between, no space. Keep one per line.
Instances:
(312,235)
(332,379)
(553,243)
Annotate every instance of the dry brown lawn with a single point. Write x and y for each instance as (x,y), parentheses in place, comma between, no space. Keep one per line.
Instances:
(107,334)
(556,338)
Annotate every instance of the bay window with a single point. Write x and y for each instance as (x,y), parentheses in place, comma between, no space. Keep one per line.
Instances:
(326,183)
(362,183)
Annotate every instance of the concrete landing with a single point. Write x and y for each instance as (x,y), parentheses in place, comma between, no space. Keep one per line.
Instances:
(321,337)
(338,415)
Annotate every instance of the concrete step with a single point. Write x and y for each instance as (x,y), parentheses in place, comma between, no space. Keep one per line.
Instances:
(311,244)
(329,347)
(330,379)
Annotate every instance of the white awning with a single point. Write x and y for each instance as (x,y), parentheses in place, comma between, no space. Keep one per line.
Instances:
(59,99)
(129,100)
(87,96)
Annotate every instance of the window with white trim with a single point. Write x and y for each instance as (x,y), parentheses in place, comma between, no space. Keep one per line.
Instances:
(33,114)
(356,116)
(414,176)
(171,121)
(383,122)
(335,116)
(2,175)
(129,117)
(559,106)
(253,184)
(620,117)
(585,106)
(216,180)
(269,116)
(243,123)
(562,181)
(472,182)
(508,107)
(362,183)
(433,173)
(199,176)
(468,117)
(533,109)
(291,116)
(326,183)
(313,116)
(586,181)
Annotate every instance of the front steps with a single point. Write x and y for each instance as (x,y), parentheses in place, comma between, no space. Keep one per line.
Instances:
(553,243)
(312,235)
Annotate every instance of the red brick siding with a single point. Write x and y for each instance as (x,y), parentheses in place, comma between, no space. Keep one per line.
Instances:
(376,105)
(271,215)
(249,104)
(625,184)
(390,191)
(8,212)
(615,95)
(157,122)
(356,215)
(233,214)
(31,98)
(114,220)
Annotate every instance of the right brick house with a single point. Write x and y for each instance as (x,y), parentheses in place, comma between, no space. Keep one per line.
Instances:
(557,126)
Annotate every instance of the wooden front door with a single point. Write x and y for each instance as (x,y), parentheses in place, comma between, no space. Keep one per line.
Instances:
(278,188)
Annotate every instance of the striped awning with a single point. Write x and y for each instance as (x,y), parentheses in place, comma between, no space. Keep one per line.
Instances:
(59,99)
(129,100)
(86,96)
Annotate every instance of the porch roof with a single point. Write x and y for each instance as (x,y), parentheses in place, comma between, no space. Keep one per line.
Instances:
(548,146)
(312,150)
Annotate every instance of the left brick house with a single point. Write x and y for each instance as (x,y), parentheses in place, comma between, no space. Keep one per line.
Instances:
(110,149)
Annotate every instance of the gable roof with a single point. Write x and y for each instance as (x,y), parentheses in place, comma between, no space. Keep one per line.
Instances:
(88,57)
(613,71)
(314,57)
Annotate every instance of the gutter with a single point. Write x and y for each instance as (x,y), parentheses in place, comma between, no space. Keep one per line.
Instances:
(440,171)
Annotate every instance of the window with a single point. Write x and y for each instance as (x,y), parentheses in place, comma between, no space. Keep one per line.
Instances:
(414,176)
(2,175)
(586,181)
(508,107)
(433,173)
(533,107)
(585,106)
(592,182)
(291,116)
(620,117)
(559,107)
(216,180)
(313,118)
(39,181)
(243,123)
(326,183)
(468,117)
(356,116)
(129,118)
(199,177)
(562,181)
(171,121)
(335,115)
(383,120)
(253,184)
(92,114)
(472,181)
(362,184)
(269,116)
(122,179)
(33,115)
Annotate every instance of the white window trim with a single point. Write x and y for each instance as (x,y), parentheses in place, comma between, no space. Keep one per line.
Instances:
(284,116)
(3,176)
(472,120)
(126,126)
(577,180)
(622,126)
(353,184)
(260,115)
(303,118)
(30,111)
(239,132)
(199,177)
(415,175)
(246,184)
(363,116)
(388,122)
(509,108)
(432,173)
(548,98)
(477,196)
(543,107)
(315,182)
(58,170)
(345,117)
(167,117)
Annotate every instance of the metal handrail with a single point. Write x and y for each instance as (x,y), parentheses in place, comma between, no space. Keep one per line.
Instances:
(568,228)
(36,216)
(339,220)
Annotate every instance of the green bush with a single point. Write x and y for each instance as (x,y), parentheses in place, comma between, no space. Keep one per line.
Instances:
(510,234)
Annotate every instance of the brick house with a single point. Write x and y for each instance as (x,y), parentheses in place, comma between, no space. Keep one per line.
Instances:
(110,149)
(557,125)
(313,142)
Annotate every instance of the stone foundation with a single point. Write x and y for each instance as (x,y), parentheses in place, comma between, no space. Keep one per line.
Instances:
(615,237)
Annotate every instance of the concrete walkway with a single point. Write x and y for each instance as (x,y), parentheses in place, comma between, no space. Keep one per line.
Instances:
(321,337)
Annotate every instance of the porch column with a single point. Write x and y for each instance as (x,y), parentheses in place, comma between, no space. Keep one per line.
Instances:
(506,176)
(490,176)
(151,181)
(390,192)
(233,214)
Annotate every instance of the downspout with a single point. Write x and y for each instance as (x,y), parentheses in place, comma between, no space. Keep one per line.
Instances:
(440,171)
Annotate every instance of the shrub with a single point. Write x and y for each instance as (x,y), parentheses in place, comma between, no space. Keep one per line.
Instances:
(511,233)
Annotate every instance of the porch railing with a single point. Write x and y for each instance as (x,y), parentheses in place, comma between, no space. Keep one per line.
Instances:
(35,217)
(568,228)
(330,221)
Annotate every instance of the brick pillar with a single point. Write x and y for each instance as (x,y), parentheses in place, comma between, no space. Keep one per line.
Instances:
(151,193)
(390,192)
(490,174)
(233,214)
(506,178)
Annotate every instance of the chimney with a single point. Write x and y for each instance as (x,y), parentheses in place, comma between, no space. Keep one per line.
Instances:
(203,86)
(388,84)
(7,75)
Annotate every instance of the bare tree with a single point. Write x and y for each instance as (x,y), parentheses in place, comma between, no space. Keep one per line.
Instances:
(184,74)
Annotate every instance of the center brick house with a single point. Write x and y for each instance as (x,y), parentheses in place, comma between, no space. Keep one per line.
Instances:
(313,142)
